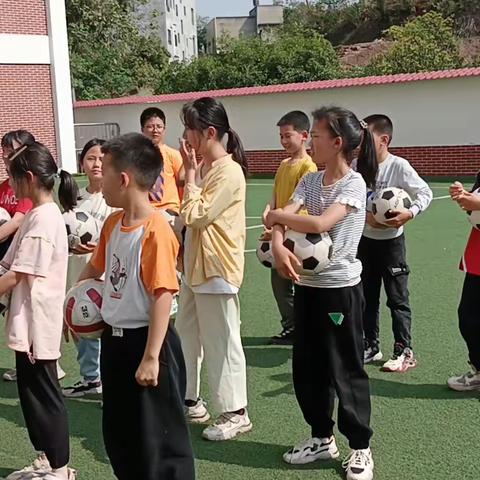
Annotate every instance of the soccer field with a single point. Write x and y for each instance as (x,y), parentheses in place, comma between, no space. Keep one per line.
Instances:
(422,430)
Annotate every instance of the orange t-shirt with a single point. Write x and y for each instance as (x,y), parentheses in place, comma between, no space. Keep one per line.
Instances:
(137,261)
(164,194)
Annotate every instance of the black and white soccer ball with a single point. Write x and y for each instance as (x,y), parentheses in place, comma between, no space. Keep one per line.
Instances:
(313,250)
(474,216)
(4,216)
(82,228)
(265,253)
(388,200)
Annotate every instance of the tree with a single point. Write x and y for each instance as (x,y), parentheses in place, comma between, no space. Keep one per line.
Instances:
(109,56)
(202,23)
(427,43)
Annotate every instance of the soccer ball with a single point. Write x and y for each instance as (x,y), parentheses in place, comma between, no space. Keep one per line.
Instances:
(313,250)
(4,216)
(474,216)
(5,298)
(265,254)
(82,309)
(388,200)
(82,228)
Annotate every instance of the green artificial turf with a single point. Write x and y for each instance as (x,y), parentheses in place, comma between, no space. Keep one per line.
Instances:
(422,430)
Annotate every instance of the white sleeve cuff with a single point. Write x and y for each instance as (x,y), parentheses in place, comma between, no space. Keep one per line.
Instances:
(351,202)
(415,209)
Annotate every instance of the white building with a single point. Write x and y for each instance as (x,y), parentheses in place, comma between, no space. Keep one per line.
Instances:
(176,22)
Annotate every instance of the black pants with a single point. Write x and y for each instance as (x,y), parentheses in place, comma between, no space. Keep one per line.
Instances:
(328,358)
(43,408)
(469,317)
(144,429)
(283,292)
(386,260)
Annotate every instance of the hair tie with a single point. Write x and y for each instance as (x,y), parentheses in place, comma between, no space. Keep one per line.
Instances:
(364,124)
(59,171)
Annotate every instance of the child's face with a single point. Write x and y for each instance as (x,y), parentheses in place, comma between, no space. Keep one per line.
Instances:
(92,163)
(292,140)
(324,145)
(195,139)
(114,183)
(154,129)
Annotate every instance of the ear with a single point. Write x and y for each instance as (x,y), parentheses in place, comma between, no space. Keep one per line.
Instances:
(338,143)
(211,133)
(386,140)
(29,177)
(125,180)
(305,135)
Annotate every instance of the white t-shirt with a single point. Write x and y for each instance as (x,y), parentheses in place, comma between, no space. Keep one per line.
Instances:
(95,205)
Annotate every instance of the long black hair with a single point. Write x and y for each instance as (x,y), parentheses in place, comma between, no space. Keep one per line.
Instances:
(37,159)
(354,133)
(209,112)
(22,137)
(91,143)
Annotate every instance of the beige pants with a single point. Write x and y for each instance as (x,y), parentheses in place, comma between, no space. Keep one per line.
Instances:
(209,325)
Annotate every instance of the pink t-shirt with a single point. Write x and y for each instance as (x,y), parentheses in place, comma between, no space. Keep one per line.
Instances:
(35,317)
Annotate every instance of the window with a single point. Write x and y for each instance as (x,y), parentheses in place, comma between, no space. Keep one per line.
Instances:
(176,10)
(193,16)
(184,11)
(168,5)
(169,36)
(176,40)
(181,26)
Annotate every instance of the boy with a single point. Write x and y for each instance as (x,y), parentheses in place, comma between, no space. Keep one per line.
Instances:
(467,310)
(383,255)
(294,130)
(165,192)
(142,366)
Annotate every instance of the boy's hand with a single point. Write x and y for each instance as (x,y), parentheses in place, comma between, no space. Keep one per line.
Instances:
(265,214)
(373,223)
(286,263)
(401,218)
(147,372)
(468,201)
(84,249)
(455,190)
(266,236)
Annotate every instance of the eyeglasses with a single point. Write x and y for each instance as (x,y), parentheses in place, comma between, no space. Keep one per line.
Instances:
(151,128)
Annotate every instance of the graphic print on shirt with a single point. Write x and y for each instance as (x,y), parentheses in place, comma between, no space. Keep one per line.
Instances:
(156,192)
(7,199)
(118,277)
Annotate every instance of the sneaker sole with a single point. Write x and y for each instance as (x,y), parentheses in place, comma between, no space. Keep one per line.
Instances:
(313,458)
(402,369)
(375,358)
(461,388)
(93,391)
(230,436)
(199,420)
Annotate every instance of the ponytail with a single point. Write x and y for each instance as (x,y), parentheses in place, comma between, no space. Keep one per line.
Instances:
(367,162)
(235,148)
(67,191)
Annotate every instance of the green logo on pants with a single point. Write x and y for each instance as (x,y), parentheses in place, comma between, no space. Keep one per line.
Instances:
(337,318)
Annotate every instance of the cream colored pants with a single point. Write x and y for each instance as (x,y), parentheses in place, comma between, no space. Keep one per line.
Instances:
(209,325)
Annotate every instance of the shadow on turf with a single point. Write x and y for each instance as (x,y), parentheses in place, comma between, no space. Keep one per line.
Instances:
(251,454)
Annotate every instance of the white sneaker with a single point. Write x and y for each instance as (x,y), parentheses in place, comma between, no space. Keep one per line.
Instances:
(10,375)
(198,413)
(401,361)
(39,466)
(227,426)
(359,465)
(82,388)
(311,450)
(467,382)
(43,475)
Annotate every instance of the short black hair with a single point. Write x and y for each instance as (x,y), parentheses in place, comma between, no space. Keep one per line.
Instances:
(297,119)
(381,124)
(136,152)
(22,137)
(152,112)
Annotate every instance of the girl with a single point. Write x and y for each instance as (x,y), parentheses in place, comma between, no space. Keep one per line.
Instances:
(208,320)
(37,267)
(467,310)
(91,200)
(328,345)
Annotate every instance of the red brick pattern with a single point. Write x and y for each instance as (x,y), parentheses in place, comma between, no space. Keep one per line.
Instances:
(26,102)
(448,161)
(28,17)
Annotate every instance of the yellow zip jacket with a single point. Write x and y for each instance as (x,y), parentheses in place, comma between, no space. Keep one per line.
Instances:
(215,213)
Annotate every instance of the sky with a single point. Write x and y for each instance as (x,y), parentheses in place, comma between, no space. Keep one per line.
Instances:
(225,8)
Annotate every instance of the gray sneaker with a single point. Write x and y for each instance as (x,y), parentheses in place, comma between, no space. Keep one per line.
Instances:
(467,382)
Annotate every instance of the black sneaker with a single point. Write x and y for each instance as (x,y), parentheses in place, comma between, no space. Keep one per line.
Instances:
(372,352)
(82,388)
(285,337)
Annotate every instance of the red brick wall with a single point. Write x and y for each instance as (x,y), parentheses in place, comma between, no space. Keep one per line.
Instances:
(26,17)
(448,161)
(26,102)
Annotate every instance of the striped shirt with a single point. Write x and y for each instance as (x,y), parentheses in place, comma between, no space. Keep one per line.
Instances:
(344,269)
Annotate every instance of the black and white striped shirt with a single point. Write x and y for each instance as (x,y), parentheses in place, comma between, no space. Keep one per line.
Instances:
(344,269)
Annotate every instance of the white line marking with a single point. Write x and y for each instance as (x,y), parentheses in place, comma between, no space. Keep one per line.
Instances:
(250,251)
(260,184)
(441,198)
(254,218)
(254,227)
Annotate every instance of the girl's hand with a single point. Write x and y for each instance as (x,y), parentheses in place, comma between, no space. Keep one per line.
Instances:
(273,217)
(147,372)
(67,333)
(455,190)
(84,249)
(468,201)
(266,236)
(401,218)
(188,155)
(373,223)
(286,263)
(265,214)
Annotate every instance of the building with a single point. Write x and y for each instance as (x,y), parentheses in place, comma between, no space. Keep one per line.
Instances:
(35,89)
(259,22)
(176,22)
(435,146)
